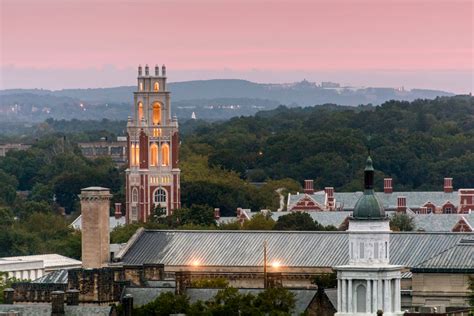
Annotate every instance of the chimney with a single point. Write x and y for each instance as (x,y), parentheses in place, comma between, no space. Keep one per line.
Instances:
(401,204)
(140,70)
(8,296)
(72,297)
(57,303)
(448,185)
(118,210)
(423,210)
(163,71)
(127,302)
(147,70)
(217,213)
(308,187)
(387,185)
(95,206)
(330,196)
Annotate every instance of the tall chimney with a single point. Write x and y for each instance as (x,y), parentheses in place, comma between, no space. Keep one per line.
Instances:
(387,185)
(95,206)
(401,204)
(330,197)
(127,302)
(448,185)
(118,210)
(308,187)
(217,213)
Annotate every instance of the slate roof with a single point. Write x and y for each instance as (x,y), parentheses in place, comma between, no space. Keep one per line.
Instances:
(440,222)
(318,196)
(303,297)
(292,249)
(389,200)
(45,310)
(144,295)
(58,276)
(113,222)
(459,258)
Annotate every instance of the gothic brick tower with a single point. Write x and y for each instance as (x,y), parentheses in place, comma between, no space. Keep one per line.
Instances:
(152,176)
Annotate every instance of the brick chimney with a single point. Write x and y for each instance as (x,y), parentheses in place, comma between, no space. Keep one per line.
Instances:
(217,213)
(401,204)
(423,210)
(448,185)
(330,197)
(95,206)
(308,187)
(57,303)
(387,185)
(118,210)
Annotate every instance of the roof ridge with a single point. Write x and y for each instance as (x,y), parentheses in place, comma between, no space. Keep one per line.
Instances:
(436,255)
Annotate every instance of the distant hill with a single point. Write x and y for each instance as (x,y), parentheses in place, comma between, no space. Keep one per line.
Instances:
(209,99)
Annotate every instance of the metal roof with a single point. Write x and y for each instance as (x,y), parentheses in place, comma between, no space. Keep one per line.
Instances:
(291,249)
(58,276)
(459,258)
(49,260)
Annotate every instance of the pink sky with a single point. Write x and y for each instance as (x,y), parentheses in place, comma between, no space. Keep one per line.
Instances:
(409,41)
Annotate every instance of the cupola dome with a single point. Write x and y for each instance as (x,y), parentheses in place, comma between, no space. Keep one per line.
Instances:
(368,206)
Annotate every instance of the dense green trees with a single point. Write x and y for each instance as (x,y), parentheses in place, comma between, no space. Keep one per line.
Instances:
(227,302)
(415,143)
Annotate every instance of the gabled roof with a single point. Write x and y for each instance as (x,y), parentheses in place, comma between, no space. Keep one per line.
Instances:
(292,249)
(318,197)
(439,222)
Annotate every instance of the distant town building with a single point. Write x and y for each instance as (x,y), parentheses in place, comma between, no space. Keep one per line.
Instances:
(447,201)
(117,150)
(193,116)
(328,84)
(4,148)
(152,175)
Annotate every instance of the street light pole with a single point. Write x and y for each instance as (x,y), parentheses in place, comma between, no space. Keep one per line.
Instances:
(265,264)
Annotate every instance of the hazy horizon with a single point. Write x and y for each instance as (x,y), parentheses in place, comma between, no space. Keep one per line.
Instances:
(54,44)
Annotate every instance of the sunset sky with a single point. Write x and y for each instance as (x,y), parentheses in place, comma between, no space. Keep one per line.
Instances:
(67,43)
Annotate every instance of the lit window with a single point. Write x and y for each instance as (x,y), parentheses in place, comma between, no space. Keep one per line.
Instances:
(156,113)
(140,86)
(159,196)
(165,154)
(154,154)
(140,111)
(156,86)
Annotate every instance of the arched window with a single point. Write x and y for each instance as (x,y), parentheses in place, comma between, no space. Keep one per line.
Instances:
(134,154)
(156,86)
(137,154)
(165,154)
(156,113)
(160,197)
(361,298)
(154,154)
(140,86)
(135,195)
(140,111)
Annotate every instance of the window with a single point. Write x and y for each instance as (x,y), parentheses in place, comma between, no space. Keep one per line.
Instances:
(361,250)
(156,113)
(140,86)
(134,195)
(156,86)
(361,301)
(386,250)
(448,210)
(376,250)
(140,111)
(159,196)
(154,154)
(165,154)
(134,154)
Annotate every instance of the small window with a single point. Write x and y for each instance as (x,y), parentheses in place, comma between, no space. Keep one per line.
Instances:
(156,86)
(154,154)
(140,111)
(140,86)
(135,195)
(386,250)
(362,250)
(156,113)
(376,250)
